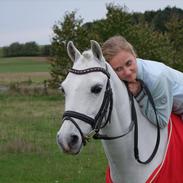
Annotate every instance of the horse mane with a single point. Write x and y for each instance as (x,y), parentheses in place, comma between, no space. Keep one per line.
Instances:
(87,54)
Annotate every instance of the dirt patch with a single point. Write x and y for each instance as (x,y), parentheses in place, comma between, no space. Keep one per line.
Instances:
(14,77)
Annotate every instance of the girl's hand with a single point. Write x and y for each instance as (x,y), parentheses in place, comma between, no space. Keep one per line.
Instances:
(134,87)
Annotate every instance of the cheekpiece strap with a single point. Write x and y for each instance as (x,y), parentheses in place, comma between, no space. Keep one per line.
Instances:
(93,69)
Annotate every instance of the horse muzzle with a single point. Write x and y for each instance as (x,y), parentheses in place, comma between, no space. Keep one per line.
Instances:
(70,143)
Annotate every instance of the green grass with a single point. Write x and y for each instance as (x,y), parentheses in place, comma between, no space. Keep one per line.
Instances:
(23,64)
(20,69)
(28,149)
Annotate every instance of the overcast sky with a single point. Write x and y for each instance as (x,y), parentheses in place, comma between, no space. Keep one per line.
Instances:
(32,20)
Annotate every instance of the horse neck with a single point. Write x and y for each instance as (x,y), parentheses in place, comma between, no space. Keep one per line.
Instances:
(120,152)
(120,122)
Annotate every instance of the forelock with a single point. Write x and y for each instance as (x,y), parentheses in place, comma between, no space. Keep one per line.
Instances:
(87,54)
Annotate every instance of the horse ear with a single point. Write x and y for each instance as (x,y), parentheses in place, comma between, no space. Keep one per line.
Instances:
(96,49)
(72,51)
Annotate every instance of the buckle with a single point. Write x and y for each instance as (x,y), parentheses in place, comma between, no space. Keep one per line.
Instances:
(90,135)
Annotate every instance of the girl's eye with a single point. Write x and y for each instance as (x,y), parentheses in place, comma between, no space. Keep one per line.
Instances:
(96,89)
(129,63)
(118,69)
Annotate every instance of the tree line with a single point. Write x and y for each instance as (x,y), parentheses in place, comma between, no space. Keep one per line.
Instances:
(28,49)
(155,35)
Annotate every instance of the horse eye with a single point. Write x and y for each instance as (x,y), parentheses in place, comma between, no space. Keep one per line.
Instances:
(96,89)
(62,89)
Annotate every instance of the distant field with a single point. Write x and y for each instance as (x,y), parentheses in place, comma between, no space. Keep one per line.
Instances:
(18,69)
(24,64)
(37,77)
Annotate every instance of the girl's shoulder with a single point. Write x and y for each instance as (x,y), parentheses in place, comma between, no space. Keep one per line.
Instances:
(150,71)
(151,66)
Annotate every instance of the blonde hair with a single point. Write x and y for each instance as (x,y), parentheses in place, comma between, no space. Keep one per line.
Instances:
(114,45)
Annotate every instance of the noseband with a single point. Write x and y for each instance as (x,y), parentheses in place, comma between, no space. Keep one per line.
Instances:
(104,115)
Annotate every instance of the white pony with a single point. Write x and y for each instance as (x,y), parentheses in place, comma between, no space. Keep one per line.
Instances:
(86,86)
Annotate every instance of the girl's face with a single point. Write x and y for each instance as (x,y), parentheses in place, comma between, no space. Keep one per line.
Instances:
(125,66)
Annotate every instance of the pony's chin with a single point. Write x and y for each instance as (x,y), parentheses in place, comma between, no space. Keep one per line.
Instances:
(71,151)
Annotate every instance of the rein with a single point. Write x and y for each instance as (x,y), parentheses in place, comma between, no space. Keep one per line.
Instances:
(106,107)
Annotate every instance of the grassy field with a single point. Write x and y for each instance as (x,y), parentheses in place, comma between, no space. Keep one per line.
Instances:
(28,149)
(28,127)
(20,69)
(23,64)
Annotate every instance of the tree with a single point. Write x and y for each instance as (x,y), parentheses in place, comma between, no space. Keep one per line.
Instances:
(118,21)
(64,31)
(31,49)
(150,44)
(45,50)
(5,51)
(175,35)
(15,49)
(149,41)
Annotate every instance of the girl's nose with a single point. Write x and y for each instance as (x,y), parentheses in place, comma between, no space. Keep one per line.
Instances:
(126,72)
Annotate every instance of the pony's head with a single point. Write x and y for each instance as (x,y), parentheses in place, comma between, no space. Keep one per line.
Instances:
(87,98)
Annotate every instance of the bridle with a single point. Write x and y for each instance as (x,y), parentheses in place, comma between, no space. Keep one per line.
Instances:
(104,112)
(104,115)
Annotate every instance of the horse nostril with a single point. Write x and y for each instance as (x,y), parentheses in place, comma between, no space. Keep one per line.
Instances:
(74,140)
(57,135)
